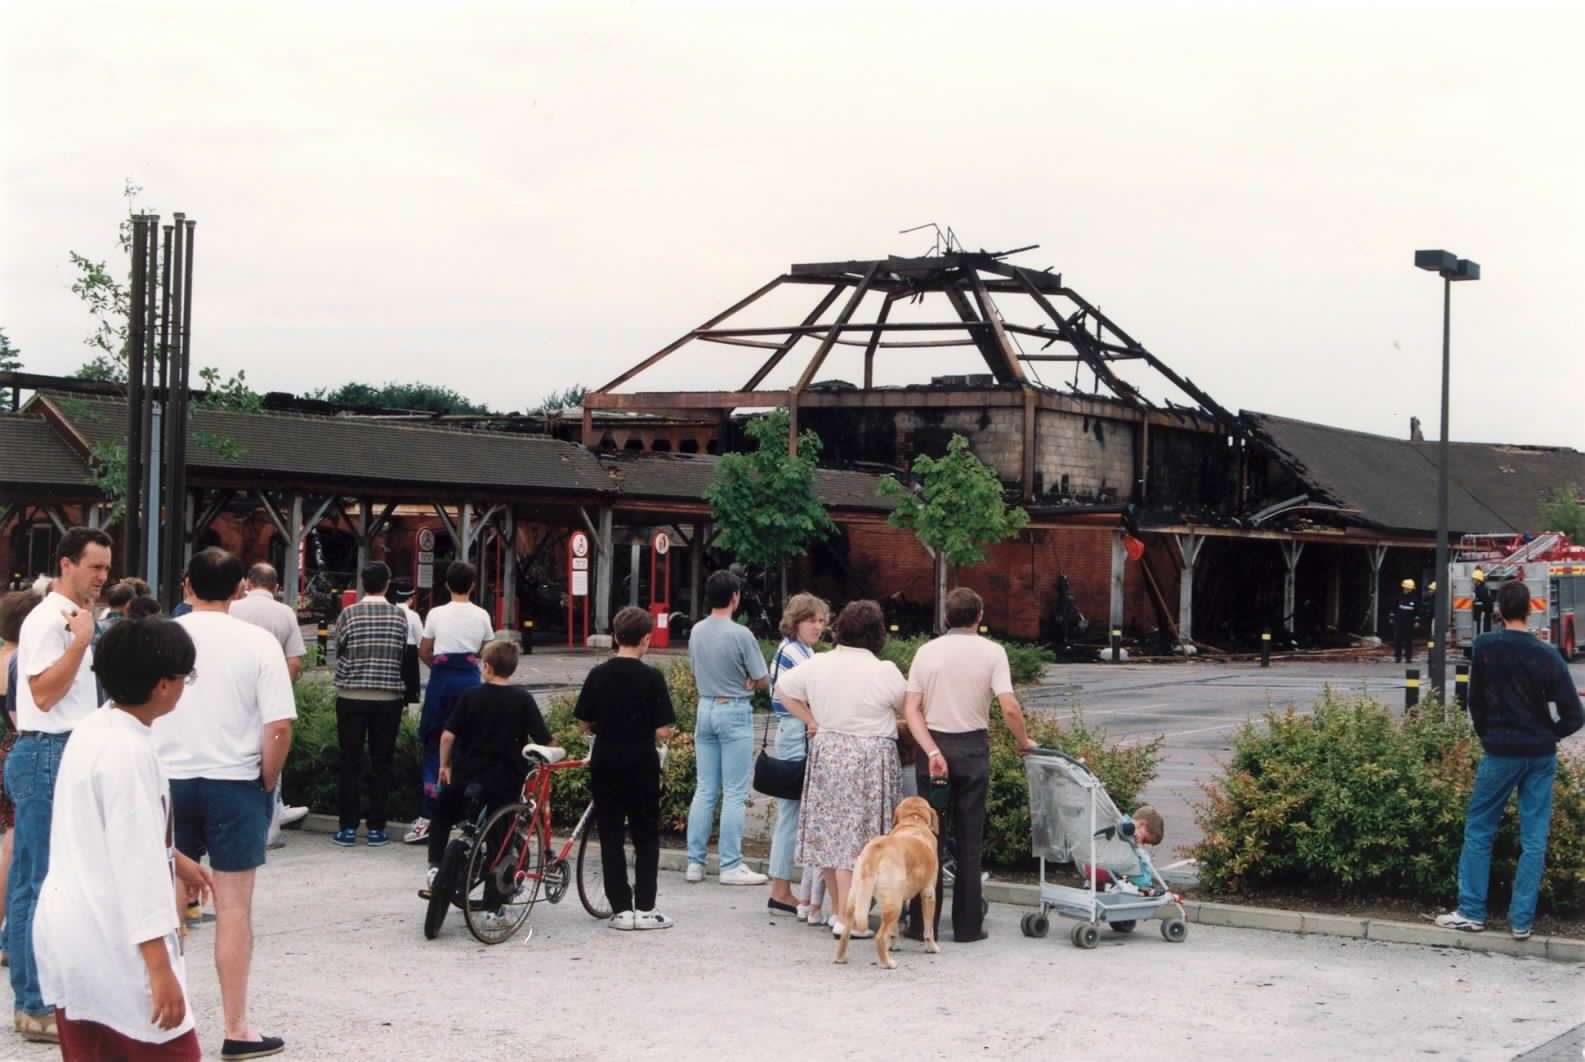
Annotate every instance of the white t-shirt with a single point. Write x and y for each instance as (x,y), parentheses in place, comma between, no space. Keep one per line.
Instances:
(111,883)
(415,626)
(849,691)
(217,728)
(261,609)
(458,627)
(957,674)
(43,641)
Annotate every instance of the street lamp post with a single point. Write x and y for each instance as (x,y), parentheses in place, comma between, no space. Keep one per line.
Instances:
(1450,267)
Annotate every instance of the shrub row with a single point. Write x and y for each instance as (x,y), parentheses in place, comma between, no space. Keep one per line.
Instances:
(1350,800)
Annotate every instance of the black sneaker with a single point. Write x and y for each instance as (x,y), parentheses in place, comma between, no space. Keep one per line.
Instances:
(235,1050)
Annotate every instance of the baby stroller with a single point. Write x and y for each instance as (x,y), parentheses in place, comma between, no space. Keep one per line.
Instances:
(1074,821)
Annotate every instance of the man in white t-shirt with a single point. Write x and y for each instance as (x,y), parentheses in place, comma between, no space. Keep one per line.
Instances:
(223,749)
(55,691)
(950,686)
(454,635)
(106,930)
(259,607)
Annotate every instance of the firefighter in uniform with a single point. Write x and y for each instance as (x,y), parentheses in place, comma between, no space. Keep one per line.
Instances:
(1482,607)
(1404,614)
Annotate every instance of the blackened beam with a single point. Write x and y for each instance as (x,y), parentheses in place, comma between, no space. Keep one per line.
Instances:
(791,341)
(1113,351)
(981,335)
(1082,342)
(822,329)
(835,329)
(874,342)
(760,344)
(1183,383)
(668,348)
(989,312)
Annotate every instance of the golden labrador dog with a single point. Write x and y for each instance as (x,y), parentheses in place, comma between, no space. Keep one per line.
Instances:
(892,870)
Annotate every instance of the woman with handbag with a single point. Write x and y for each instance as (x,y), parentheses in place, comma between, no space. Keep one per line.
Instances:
(850,699)
(803,623)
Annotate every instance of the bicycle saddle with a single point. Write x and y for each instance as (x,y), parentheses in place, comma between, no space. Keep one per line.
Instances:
(547,753)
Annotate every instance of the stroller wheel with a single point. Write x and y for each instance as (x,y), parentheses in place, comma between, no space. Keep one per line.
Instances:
(1035,924)
(1085,936)
(1174,930)
(1123,927)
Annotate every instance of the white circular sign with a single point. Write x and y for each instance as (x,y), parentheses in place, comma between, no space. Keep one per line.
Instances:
(662,543)
(426,538)
(580,544)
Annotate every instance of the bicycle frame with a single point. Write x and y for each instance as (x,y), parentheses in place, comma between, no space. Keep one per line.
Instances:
(536,794)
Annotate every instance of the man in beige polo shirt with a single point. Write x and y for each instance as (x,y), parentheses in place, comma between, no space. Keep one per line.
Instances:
(950,687)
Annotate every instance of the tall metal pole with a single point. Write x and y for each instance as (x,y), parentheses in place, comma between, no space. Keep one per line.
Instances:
(136,336)
(1438,659)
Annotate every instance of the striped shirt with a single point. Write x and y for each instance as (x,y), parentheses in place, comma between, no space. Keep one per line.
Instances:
(370,638)
(789,654)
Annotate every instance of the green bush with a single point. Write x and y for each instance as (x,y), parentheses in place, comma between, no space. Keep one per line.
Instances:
(311,768)
(1350,799)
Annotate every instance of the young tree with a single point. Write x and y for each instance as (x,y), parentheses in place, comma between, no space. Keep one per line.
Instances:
(763,502)
(10,356)
(1562,511)
(957,511)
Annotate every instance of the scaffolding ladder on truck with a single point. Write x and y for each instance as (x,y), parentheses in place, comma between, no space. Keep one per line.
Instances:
(1551,567)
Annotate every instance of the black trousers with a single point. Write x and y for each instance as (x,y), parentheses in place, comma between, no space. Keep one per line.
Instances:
(377,723)
(969,780)
(451,805)
(1403,639)
(627,801)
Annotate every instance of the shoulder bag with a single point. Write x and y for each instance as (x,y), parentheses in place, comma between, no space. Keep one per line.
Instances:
(783,779)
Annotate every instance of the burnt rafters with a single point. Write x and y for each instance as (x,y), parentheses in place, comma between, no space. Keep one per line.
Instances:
(1082,344)
(791,341)
(981,334)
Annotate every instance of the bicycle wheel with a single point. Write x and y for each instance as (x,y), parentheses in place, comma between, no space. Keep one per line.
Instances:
(591,880)
(442,891)
(504,874)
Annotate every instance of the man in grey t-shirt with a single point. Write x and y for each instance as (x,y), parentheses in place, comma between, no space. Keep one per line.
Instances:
(727,667)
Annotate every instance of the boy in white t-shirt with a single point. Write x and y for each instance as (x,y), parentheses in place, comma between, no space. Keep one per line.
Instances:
(106,931)
(454,636)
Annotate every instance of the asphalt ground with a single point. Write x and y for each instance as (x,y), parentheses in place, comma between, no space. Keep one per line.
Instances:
(342,971)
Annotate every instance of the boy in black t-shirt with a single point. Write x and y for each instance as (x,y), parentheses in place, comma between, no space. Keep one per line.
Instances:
(625,704)
(483,742)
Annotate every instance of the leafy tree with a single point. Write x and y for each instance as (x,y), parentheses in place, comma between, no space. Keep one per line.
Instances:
(958,510)
(430,398)
(10,356)
(559,400)
(1562,511)
(763,501)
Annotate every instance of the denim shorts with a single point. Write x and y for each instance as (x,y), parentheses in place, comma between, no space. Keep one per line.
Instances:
(228,820)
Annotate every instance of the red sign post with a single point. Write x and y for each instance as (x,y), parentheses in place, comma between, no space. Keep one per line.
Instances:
(577,582)
(660,600)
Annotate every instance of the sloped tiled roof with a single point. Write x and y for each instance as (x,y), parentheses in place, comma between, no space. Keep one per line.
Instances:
(347,448)
(33,452)
(686,477)
(1392,482)
(1512,481)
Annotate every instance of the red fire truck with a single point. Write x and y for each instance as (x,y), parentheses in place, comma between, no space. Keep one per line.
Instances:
(1549,564)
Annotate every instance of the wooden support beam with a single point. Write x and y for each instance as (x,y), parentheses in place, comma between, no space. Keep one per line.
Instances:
(791,341)
(993,316)
(822,351)
(668,348)
(875,339)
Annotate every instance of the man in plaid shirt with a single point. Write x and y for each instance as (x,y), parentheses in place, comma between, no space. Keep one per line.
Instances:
(370,638)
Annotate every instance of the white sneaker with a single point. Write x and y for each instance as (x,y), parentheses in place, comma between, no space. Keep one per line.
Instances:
(742,875)
(290,815)
(652,920)
(1455,920)
(625,920)
(803,912)
(418,834)
(817,917)
(695,872)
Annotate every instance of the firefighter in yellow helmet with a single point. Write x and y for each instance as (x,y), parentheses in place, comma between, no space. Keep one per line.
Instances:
(1483,601)
(1404,613)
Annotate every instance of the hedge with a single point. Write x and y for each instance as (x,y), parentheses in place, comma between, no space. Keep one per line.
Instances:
(311,768)
(1352,800)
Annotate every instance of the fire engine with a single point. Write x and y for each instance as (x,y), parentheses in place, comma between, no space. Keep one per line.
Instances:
(1549,564)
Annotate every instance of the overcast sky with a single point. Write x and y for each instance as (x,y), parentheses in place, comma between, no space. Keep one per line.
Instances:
(510,199)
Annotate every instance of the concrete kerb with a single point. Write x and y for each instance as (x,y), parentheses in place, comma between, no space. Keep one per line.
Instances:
(1206,912)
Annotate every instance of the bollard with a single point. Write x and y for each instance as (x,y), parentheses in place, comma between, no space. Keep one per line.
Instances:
(1117,645)
(1411,689)
(528,636)
(1265,648)
(1461,685)
(324,644)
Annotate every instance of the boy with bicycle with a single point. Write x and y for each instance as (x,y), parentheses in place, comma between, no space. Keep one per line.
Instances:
(483,743)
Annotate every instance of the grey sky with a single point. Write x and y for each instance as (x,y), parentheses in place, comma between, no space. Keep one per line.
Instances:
(509,199)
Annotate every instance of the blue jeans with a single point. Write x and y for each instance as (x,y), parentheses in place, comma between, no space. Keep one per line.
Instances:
(724,759)
(1495,778)
(784,842)
(30,781)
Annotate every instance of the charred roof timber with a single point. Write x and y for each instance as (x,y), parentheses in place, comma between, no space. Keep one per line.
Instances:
(968,283)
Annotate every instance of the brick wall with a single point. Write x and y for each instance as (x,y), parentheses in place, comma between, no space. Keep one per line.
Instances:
(1097,456)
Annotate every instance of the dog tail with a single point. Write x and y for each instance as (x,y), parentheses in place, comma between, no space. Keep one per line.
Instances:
(859,900)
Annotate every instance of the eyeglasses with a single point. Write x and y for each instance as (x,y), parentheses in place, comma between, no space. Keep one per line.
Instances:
(190,678)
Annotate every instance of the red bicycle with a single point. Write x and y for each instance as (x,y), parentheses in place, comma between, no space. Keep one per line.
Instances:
(503,863)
